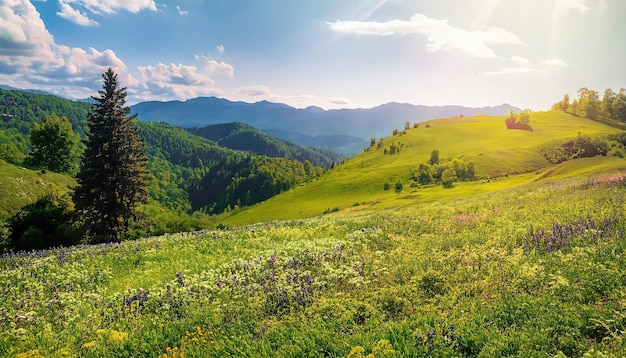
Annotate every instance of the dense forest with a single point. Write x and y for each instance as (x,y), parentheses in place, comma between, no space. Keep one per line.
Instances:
(187,172)
(241,136)
(192,173)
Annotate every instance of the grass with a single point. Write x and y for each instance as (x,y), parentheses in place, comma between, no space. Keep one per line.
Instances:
(458,276)
(20,186)
(497,152)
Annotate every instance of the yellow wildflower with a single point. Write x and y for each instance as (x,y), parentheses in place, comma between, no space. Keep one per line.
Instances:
(89,345)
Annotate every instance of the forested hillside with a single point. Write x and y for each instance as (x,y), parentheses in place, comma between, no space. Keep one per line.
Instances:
(21,110)
(193,173)
(241,136)
(186,170)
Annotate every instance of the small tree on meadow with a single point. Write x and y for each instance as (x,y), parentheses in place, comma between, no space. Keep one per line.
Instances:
(423,174)
(448,177)
(434,157)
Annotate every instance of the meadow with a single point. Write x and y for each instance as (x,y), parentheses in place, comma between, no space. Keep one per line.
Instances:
(530,267)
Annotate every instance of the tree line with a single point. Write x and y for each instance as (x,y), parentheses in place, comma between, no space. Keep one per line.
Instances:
(612,105)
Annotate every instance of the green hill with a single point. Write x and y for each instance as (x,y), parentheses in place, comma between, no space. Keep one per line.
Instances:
(20,186)
(498,153)
(244,137)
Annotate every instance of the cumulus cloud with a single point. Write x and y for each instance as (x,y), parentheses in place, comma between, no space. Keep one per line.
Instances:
(255,91)
(29,56)
(76,16)
(220,48)
(220,68)
(174,81)
(440,34)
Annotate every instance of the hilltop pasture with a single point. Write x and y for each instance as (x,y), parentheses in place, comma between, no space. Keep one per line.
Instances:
(498,153)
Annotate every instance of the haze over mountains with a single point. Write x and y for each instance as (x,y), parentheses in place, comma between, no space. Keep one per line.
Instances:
(346,131)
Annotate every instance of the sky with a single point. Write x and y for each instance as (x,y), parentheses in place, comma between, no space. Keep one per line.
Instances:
(325,53)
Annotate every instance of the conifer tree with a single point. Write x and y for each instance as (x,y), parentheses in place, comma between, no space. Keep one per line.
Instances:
(113,177)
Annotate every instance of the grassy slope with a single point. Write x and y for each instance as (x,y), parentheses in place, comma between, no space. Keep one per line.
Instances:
(485,140)
(388,278)
(20,186)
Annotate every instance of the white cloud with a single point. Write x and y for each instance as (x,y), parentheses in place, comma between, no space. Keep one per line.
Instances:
(340,101)
(112,6)
(174,81)
(522,65)
(513,70)
(255,91)
(220,48)
(555,63)
(181,12)
(220,68)
(519,60)
(565,6)
(78,17)
(30,58)
(440,34)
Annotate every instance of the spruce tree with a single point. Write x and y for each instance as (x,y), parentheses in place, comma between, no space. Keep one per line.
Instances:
(113,177)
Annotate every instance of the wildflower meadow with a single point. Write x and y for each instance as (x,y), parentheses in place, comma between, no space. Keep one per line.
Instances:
(533,271)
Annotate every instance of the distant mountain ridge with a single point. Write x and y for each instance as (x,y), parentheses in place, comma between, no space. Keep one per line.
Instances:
(343,130)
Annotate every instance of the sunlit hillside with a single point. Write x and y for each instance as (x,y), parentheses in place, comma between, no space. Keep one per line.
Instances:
(498,154)
(18,186)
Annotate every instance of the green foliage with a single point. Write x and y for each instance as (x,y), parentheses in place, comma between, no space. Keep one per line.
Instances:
(588,105)
(243,137)
(434,157)
(10,153)
(113,177)
(54,145)
(423,174)
(446,172)
(43,224)
(448,177)
(582,146)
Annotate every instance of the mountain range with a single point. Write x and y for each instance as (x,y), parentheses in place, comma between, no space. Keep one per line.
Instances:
(346,131)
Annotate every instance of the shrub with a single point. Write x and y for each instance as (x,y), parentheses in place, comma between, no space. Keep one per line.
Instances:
(43,224)
(431,284)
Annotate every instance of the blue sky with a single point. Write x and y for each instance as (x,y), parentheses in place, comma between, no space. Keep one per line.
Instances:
(328,53)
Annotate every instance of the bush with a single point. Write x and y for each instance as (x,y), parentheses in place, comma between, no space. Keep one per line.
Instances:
(43,224)
(448,177)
